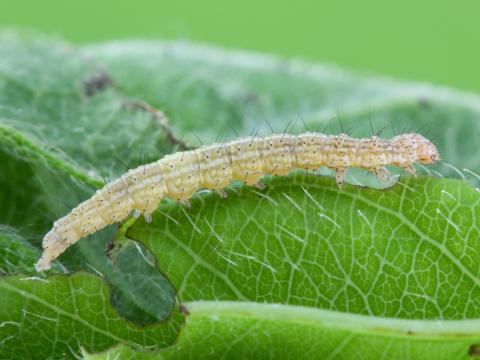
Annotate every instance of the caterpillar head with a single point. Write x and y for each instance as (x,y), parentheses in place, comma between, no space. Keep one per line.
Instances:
(427,153)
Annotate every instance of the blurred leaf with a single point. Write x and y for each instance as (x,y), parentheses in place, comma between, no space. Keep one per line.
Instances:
(15,252)
(59,108)
(64,126)
(207,91)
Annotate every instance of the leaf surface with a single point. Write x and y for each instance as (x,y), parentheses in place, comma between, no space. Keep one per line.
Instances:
(50,318)
(396,256)
(238,330)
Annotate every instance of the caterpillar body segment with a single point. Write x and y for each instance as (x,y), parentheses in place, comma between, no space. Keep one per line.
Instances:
(212,167)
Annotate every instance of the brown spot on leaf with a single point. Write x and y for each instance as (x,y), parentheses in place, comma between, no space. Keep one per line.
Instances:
(108,248)
(474,351)
(183,309)
(97,83)
(423,103)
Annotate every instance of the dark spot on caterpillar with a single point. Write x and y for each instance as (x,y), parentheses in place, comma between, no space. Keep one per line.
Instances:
(96,84)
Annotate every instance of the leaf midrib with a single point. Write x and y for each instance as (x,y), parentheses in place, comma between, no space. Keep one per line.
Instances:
(358,323)
(54,161)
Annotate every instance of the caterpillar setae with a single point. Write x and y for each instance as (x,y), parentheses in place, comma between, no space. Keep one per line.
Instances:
(179,175)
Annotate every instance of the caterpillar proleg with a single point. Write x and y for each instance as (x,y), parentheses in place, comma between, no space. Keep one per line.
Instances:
(179,175)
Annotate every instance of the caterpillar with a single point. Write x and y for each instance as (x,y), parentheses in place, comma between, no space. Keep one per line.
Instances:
(179,175)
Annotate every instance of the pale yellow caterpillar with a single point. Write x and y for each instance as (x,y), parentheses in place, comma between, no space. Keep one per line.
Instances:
(179,175)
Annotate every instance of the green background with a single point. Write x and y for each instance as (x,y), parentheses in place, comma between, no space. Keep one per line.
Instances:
(429,40)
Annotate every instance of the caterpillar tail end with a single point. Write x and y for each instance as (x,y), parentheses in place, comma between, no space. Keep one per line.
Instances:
(43,264)
(51,250)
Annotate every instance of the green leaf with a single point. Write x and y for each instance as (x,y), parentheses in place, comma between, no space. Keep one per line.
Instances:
(43,318)
(140,293)
(403,252)
(243,330)
(408,252)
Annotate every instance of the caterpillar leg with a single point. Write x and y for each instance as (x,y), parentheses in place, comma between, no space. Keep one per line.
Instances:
(339,176)
(382,173)
(147,217)
(149,208)
(280,172)
(410,169)
(254,180)
(223,194)
(186,203)
(260,186)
